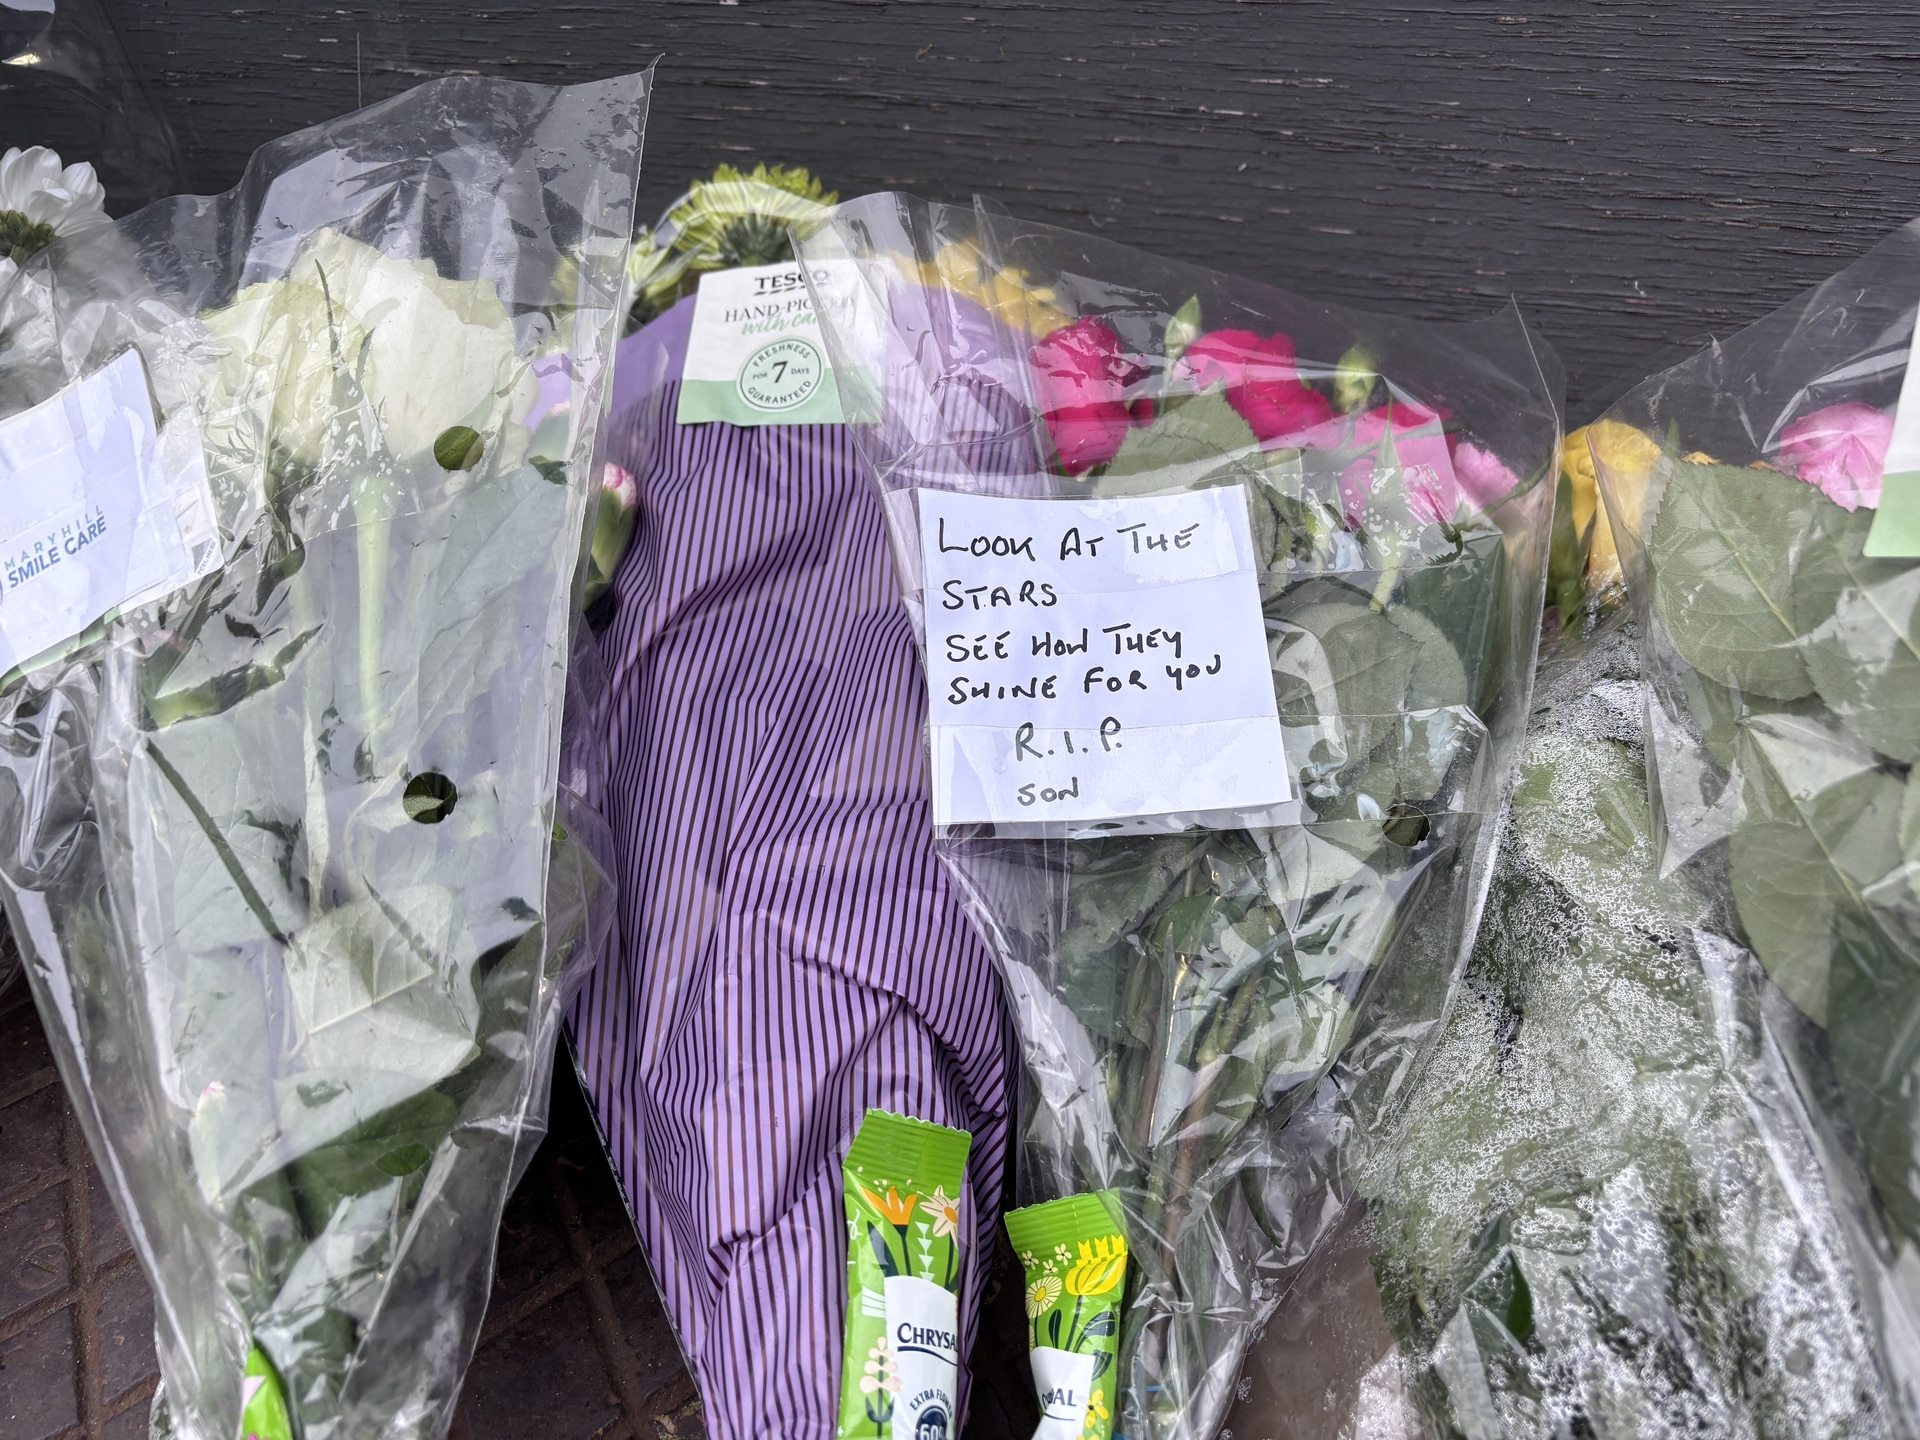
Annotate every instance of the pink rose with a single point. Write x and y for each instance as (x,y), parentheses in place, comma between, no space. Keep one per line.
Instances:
(1419,451)
(1484,477)
(1082,372)
(1841,449)
(1261,378)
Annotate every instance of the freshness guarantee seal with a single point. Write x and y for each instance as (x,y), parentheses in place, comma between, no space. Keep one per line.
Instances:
(783,374)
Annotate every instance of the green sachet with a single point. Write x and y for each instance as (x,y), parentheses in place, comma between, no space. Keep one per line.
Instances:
(1074,1253)
(902,1181)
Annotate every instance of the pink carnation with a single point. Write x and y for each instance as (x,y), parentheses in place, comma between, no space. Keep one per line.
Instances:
(1841,449)
(1419,450)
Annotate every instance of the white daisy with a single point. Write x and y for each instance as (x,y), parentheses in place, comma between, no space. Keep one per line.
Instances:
(64,198)
(41,199)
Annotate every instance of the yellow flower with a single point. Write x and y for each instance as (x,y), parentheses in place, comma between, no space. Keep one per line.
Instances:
(946,1212)
(1628,456)
(1006,293)
(1041,1294)
(1100,1268)
(1097,1413)
(897,1209)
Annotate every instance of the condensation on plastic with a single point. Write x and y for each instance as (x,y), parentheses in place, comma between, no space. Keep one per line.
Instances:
(66,77)
(309,1033)
(1598,1211)
(1210,1017)
(1780,755)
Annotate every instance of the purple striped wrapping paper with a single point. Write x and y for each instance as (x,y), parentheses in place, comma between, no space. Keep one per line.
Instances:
(788,951)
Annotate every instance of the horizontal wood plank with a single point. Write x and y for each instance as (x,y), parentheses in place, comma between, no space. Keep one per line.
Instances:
(1637,174)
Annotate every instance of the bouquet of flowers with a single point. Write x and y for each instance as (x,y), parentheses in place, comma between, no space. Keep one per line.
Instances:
(289,831)
(781,914)
(40,200)
(733,218)
(1599,1209)
(1767,508)
(1218,985)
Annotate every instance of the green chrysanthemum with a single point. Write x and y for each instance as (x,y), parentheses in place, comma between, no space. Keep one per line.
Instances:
(736,218)
(741,218)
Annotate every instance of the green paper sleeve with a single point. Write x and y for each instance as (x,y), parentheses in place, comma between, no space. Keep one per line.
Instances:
(902,1182)
(1074,1255)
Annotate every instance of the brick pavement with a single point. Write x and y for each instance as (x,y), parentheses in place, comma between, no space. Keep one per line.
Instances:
(575,1345)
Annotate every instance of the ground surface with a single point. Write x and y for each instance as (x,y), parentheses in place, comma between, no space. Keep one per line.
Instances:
(575,1344)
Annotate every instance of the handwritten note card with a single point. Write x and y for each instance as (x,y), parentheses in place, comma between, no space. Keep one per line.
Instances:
(1096,660)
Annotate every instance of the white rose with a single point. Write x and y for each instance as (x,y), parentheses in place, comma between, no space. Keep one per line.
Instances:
(425,352)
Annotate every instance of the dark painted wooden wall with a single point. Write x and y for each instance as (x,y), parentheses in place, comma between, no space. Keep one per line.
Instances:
(1638,174)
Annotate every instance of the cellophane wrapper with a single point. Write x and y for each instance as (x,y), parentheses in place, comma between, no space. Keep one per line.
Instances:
(1213,1016)
(301,861)
(1783,720)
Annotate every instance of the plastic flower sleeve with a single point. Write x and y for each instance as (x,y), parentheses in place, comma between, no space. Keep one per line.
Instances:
(1211,1003)
(1600,1209)
(1782,650)
(297,852)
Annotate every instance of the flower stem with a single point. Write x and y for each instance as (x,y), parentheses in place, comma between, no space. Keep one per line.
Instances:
(373,546)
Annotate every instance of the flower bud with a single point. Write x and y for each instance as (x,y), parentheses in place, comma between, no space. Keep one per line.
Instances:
(1353,379)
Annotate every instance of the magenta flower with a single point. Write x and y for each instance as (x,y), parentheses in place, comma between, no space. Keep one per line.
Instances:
(1262,381)
(1082,372)
(1842,450)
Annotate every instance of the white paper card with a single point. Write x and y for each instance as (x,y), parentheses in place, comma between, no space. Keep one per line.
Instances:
(98,510)
(754,353)
(1095,660)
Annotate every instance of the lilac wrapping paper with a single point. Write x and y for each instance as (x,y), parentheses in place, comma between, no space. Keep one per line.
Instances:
(789,954)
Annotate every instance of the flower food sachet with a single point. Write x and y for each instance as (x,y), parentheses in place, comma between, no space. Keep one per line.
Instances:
(1227,603)
(1073,1252)
(297,843)
(902,1184)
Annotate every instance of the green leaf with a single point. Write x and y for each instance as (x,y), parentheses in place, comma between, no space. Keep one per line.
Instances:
(1183,328)
(1186,926)
(1720,712)
(1301,1034)
(1862,618)
(1723,549)
(1366,680)
(1468,598)
(1875,1038)
(1821,827)
(1306,860)
(1567,556)
(1193,443)
(404,1160)
(397,1143)
(1328,637)
(379,985)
